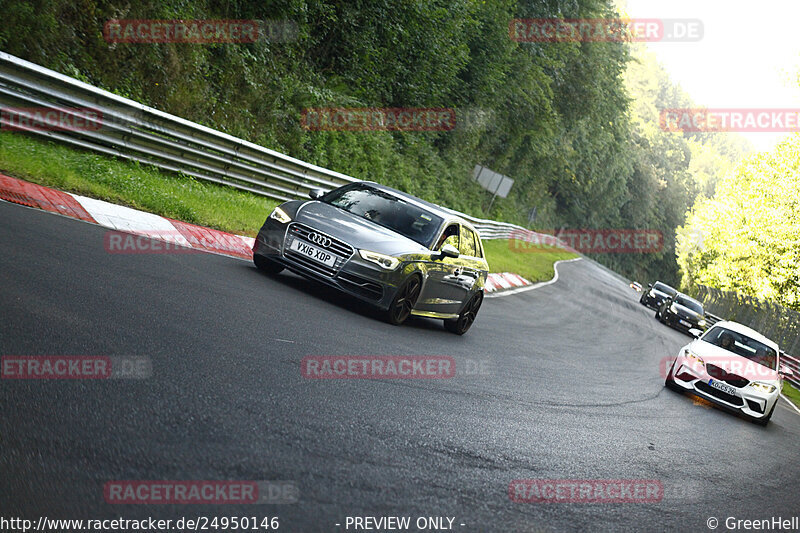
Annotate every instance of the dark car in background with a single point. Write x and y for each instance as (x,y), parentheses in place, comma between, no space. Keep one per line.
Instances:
(682,313)
(397,252)
(655,294)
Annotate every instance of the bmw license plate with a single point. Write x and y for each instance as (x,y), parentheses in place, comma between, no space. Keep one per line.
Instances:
(685,323)
(312,252)
(724,387)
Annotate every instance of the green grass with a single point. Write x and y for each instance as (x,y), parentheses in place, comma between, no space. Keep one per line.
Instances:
(513,256)
(791,393)
(128,183)
(183,198)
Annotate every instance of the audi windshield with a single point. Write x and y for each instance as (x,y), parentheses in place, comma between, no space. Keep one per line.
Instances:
(387,210)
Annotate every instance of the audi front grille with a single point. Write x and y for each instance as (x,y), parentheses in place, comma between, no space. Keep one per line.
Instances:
(341,250)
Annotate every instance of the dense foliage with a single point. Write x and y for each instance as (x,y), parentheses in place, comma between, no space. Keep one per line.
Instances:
(747,237)
(580,139)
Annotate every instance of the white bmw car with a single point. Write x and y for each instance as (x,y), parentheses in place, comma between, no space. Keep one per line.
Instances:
(733,366)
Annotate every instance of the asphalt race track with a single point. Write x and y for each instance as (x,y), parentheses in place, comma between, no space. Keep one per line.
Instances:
(570,388)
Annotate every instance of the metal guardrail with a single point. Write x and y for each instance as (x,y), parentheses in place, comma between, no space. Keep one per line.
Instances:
(712,319)
(794,364)
(127,129)
(772,320)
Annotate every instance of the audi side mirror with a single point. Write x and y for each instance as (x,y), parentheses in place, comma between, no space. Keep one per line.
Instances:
(785,371)
(696,332)
(315,193)
(448,250)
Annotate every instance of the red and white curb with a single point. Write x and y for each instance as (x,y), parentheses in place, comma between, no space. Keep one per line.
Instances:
(529,287)
(125,219)
(504,280)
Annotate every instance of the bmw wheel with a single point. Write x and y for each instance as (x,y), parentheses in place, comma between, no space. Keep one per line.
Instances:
(460,325)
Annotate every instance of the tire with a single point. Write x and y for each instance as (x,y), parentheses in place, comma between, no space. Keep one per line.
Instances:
(669,382)
(764,421)
(658,314)
(461,325)
(267,265)
(404,301)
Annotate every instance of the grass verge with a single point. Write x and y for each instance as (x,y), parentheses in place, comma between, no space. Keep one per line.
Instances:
(129,183)
(791,393)
(504,256)
(184,198)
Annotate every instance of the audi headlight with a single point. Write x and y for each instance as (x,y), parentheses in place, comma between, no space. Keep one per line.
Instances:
(280,215)
(762,387)
(384,261)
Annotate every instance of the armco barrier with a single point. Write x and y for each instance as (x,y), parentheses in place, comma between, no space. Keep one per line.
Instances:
(772,320)
(130,130)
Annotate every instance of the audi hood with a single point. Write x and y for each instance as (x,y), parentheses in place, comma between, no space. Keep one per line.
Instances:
(354,230)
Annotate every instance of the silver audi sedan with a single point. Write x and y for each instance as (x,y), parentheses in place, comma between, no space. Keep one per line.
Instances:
(401,254)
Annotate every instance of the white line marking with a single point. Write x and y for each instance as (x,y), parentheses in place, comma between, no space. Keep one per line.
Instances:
(535,285)
(790,402)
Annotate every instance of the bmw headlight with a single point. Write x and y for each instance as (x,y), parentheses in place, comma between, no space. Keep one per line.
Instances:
(652,294)
(702,322)
(689,355)
(280,215)
(762,387)
(673,308)
(384,261)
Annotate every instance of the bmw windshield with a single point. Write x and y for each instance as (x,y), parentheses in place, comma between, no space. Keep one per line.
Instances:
(387,210)
(742,345)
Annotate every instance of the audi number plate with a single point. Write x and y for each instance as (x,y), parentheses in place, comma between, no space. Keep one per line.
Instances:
(312,252)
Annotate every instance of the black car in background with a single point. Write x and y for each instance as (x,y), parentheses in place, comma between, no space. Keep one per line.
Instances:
(656,294)
(682,313)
